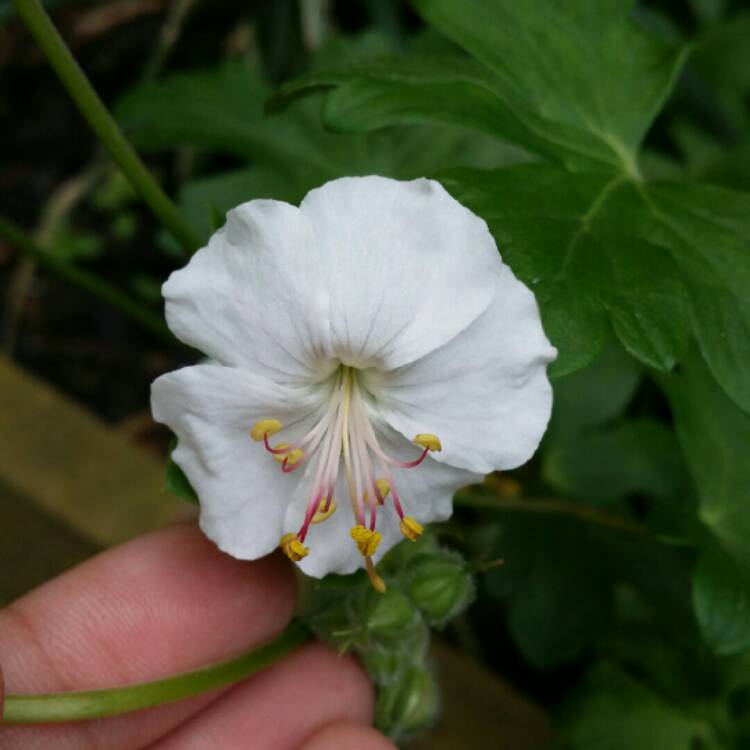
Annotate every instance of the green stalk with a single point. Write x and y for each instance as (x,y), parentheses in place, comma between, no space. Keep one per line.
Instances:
(95,704)
(103,124)
(19,239)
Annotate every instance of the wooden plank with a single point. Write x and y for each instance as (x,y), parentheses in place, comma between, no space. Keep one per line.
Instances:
(33,546)
(73,467)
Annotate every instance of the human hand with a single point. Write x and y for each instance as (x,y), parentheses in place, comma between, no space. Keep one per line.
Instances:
(166,603)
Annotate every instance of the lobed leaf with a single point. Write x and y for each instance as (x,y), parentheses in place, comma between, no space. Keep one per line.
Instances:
(714,436)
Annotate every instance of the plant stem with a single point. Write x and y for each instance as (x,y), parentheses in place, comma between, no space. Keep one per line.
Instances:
(19,239)
(94,704)
(103,124)
(537,505)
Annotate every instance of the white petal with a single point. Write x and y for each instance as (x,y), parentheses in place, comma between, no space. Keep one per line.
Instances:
(252,297)
(243,492)
(485,394)
(408,267)
(426,493)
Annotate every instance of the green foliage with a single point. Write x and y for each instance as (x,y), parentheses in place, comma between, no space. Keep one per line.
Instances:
(618,712)
(561,574)
(587,100)
(594,453)
(715,437)
(222,110)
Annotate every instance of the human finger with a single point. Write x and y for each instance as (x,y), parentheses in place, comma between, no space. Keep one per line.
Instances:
(164,603)
(281,707)
(345,736)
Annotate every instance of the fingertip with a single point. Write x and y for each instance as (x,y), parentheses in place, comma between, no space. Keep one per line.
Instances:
(341,680)
(349,736)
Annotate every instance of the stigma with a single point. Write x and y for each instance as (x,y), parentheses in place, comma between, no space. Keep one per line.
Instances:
(344,439)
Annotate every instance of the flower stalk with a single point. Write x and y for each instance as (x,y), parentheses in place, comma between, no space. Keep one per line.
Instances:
(102,122)
(95,704)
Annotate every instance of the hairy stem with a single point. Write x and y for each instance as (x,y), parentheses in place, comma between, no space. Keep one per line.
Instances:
(94,704)
(103,124)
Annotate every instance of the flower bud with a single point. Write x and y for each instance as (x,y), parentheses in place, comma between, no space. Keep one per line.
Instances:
(440,587)
(390,615)
(410,704)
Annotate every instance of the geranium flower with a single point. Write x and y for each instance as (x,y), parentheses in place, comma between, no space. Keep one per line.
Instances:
(370,354)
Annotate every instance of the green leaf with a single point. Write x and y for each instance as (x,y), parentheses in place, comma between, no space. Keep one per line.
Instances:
(177,483)
(572,80)
(615,711)
(558,590)
(722,59)
(580,74)
(708,231)
(205,201)
(560,573)
(221,110)
(582,260)
(593,396)
(589,453)
(637,457)
(715,435)
(659,261)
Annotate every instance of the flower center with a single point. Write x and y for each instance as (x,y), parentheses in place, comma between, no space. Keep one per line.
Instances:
(344,435)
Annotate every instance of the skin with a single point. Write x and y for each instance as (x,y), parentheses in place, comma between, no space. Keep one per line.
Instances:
(166,603)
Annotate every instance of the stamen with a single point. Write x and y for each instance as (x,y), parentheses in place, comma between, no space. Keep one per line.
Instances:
(265,427)
(285,454)
(291,545)
(382,488)
(367,540)
(279,450)
(431,442)
(377,582)
(325,511)
(410,528)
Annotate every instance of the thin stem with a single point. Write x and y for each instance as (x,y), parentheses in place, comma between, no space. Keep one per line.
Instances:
(94,704)
(170,32)
(62,201)
(20,240)
(537,505)
(103,124)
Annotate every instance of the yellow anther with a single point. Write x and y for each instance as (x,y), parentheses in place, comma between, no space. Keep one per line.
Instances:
(291,545)
(411,529)
(366,539)
(263,428)
(431,442)
(324,512)
(291,458)
(383,488)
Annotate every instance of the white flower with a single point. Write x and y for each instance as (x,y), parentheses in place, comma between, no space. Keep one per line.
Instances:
(375,312)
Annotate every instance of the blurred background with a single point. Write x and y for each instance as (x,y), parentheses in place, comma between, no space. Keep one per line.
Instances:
(585,601)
